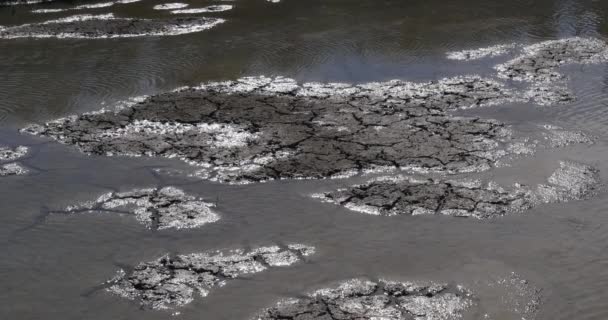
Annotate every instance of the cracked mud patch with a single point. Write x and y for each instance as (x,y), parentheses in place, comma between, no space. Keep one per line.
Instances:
(403,195)
(539,64)
(108,26)
(157,209)
(258,129)
(9,166)
(173,281)
(364,299)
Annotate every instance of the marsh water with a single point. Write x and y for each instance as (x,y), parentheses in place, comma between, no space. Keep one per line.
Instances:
(53,266)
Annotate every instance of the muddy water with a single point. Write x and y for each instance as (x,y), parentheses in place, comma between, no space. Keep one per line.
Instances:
(54,265)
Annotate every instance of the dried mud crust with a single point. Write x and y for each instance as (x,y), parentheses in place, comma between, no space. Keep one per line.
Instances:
(539,64)
(108,26)
(360,299)
(258,129)
(155,208)
(173,281)
(9,165)
(405,195)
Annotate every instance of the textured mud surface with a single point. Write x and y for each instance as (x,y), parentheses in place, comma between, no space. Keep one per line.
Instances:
(9,166)
(363,299)
(157,209)
(173,281)
(257,129)
(390,196)
(539,64)
(108,26)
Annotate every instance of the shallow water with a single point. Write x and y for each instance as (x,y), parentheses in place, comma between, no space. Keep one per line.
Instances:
(54,264)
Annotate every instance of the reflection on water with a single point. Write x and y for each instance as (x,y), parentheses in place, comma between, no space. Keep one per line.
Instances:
(54,264)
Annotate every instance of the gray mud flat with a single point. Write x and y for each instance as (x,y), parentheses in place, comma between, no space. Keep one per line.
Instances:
(108,26)
(170,282)
(9,166)
(403,195)
(258,129)
(367,300)
(158,209)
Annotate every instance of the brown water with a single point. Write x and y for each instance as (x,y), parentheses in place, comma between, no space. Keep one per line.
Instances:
(53,265)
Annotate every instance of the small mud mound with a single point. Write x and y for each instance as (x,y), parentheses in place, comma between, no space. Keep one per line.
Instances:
(170,282)
(8,161)
(170,6)
(404,195)
(209,9)
(476,54)
(366,300)
(157,209)
(108,26)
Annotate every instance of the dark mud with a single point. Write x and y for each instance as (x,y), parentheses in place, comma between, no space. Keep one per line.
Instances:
(539,64)
(108,26)
(9,165)
(362,299)
(258,129)
(157,209)
(173,281)
(403,195)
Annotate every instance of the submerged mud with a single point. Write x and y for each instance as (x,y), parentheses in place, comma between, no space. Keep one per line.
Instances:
(108,26)
(363,299)
(258,129)
(157,209)
(22,2)
(208,9)
(405,195)
(86,6)
(173,281)
(9,165)
(476,54)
